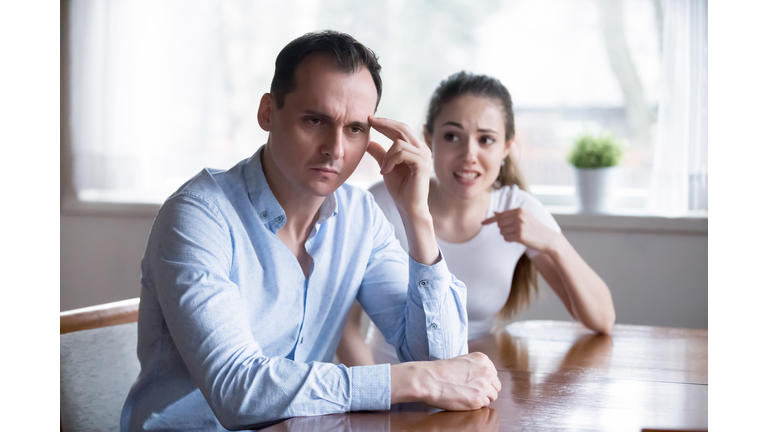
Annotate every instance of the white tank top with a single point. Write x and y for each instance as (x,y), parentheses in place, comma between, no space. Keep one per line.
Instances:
(485,263)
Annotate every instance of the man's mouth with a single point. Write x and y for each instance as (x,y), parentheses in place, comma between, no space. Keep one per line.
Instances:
(325,169)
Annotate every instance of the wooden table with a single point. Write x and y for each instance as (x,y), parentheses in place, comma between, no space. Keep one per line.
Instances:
(560,376)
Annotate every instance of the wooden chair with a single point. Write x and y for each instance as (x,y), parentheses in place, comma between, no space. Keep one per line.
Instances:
(98,364)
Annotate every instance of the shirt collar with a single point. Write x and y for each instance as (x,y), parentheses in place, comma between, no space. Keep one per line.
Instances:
(264,202)
(328,209)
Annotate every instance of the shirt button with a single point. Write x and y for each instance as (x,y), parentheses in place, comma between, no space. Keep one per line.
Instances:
(280,218)
(433,326)
(423,283)
(264,214)
(302,340)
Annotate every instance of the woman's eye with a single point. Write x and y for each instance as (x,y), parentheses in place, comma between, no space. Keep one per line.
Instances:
(487,140)
(451,137)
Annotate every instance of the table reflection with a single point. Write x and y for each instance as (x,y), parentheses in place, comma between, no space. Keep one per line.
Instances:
(561,376)
(402,417)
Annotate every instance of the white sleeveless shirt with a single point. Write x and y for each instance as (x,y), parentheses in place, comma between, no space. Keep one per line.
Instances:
(485,263)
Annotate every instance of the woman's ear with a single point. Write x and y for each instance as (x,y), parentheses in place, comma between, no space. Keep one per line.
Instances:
(264,115)
(427,137)
(508,146)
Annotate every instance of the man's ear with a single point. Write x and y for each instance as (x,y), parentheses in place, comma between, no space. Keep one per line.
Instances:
(427,137)
(266,107)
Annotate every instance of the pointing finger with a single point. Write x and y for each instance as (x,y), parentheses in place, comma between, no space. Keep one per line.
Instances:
(490,220)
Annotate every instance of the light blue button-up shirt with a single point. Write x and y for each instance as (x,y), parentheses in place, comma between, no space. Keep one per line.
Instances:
(232,334)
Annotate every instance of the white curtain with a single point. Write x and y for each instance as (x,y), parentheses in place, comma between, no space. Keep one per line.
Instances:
(679,178)
(158,93)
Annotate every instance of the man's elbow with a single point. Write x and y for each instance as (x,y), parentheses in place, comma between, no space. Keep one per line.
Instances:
(228,417)
(234,415)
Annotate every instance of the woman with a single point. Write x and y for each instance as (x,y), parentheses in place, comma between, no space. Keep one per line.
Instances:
(493,235)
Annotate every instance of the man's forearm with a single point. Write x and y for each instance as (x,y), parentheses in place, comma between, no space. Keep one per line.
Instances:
(422,242)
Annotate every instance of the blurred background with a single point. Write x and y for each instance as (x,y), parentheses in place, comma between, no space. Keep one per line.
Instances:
(153,91)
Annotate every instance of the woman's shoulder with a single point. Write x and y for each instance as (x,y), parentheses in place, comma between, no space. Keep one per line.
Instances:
(379,192)
(511,197)
(379,189)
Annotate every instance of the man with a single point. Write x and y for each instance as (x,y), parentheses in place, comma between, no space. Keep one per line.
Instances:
(249,273)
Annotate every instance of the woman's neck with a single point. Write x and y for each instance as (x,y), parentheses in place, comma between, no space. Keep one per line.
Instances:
(457,220)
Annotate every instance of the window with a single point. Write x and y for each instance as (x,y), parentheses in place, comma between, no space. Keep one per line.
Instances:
(160,90)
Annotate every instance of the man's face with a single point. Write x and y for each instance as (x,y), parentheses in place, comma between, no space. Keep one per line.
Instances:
(320,134)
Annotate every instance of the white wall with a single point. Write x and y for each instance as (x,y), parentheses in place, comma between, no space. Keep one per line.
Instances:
(656,268)
(657,275)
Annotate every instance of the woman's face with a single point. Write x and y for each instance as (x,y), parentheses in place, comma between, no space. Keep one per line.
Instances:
(468,145)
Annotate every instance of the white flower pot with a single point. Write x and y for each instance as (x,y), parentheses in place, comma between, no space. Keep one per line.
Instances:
(594,189)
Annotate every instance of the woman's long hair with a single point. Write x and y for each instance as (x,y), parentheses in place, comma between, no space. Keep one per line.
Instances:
(525,277)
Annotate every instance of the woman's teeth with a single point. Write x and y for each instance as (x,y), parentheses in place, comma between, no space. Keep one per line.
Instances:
(467,175)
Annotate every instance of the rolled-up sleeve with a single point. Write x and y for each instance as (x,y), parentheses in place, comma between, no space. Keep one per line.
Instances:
(420,309)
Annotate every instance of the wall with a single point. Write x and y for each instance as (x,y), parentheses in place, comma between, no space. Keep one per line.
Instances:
(656,267)
(657,272)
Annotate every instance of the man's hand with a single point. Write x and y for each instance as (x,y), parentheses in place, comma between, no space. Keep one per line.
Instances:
(406,167)
(462,383)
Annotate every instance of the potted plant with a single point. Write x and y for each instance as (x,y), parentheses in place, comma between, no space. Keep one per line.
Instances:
(594,158)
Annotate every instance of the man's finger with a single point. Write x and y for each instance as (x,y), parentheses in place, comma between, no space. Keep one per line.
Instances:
(377,151)
(392,129)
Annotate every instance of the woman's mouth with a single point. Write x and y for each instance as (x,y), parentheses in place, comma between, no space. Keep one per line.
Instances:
(467,178)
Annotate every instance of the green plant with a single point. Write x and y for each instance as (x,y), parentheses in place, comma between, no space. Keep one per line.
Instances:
(595,151)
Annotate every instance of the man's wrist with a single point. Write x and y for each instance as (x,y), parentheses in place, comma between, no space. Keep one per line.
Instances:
(416,216)
(404,382)
(422,242)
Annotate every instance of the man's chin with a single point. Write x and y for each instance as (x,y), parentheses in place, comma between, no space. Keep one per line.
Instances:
(323,188)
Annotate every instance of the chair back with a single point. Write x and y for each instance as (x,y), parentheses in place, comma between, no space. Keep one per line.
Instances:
(98,364)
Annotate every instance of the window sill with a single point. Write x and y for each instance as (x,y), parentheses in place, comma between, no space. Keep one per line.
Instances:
(631,220)
(72,206)
(567,217)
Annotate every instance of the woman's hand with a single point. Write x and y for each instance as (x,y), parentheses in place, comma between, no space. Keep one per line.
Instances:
(581,290)
(519,225)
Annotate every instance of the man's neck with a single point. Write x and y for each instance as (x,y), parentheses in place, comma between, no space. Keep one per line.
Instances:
(301,209)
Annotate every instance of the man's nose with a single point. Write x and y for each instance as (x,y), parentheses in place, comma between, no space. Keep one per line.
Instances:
(333,147)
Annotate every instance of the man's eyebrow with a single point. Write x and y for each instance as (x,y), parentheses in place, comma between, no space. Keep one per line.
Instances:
(360,124)
(317,114)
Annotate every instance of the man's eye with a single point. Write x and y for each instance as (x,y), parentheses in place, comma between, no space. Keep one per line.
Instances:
(314,121)
(357,130)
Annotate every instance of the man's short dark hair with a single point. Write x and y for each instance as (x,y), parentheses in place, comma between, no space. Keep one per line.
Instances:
(345,52)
